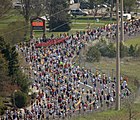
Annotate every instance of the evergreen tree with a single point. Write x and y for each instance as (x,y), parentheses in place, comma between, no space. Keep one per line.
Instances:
(3,72)
(13,61)
(59,17)
(131,50)
(129,5)
(10,55)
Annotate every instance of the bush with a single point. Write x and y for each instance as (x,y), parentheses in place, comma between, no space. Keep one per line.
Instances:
(22,81)
(111,50)
(133,50)
(1,107)
(137,54)
(123,50)
(20,99)
(93,54)
(108,50)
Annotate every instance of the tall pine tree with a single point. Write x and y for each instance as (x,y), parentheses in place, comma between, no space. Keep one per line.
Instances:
(59,17)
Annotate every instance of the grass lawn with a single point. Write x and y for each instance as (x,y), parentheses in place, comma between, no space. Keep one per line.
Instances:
(123,114)
(134,41)
(84,25)
(91,19)
(48,34)
(11,17)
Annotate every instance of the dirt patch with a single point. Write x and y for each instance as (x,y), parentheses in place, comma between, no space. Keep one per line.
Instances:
(8,89)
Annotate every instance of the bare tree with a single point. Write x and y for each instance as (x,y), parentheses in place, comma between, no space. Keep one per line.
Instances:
(129,5)
(5,6)
(26,9)
(95,4)
(38,7)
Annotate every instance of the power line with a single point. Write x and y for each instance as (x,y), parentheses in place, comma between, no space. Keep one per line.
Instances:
(14,30)
(27,25)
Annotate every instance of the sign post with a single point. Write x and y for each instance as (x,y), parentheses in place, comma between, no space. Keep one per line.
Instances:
(38,24)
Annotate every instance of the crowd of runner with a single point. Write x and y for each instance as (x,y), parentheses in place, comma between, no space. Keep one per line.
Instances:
(63,88)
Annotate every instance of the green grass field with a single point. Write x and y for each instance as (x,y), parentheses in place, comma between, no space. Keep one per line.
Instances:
(85,25)
(135,41)
(11,17)
(123,114)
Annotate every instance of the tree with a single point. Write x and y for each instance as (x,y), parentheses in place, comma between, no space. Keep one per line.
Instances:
(26,10)
(111,50)
(12,35)
(95,4)
(22,81)
(2,44)
(123,50)
(112,2)
(5,6)
(13,65)
(38,7)
(11,56)
(93,54)
(129,5)
(132,50)
(3,72)
(59,17)
(19,99)
(138,52)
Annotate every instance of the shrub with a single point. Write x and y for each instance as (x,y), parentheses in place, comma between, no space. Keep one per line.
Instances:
(131,50)
(19,99)
(22,81)
(93,54)
(108,50)
(1,107)
(111,50)
(123,50)
(137,54)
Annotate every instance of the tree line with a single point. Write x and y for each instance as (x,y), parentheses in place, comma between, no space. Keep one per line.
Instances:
(57,10)
(105,49)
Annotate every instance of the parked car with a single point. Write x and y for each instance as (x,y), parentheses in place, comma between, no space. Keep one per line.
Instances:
(17,5)
(75,12)
(127,16)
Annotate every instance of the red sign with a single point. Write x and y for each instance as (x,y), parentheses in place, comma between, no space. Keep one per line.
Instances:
(37,23)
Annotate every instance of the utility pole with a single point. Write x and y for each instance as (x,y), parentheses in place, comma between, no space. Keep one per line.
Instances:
(122,25)
(117,59)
